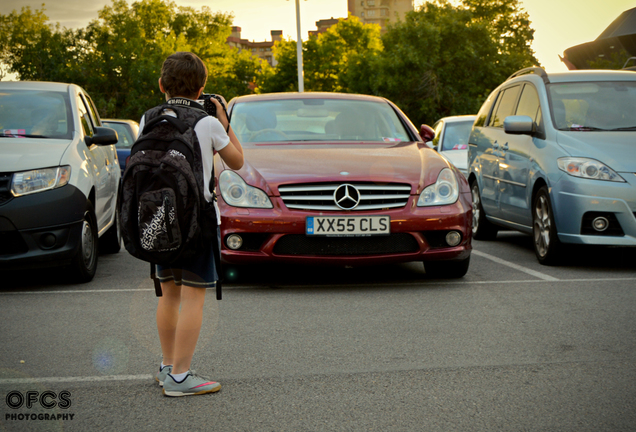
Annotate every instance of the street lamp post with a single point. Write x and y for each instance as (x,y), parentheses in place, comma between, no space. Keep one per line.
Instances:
(299,50)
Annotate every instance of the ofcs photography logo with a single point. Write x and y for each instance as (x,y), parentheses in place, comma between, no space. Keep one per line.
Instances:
(31,399)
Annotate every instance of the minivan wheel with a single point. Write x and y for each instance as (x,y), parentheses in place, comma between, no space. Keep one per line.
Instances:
(547,246)
(482,228)
(84,264)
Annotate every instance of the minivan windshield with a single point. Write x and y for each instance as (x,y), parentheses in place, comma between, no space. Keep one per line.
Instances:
(35,114)
(593,106)
(316,120)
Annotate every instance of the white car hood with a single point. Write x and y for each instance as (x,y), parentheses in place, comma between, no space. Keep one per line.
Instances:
(459,158)
(23,154)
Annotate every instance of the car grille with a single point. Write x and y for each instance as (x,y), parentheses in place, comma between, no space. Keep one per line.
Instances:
(5,187)
(299,244)
(320,196)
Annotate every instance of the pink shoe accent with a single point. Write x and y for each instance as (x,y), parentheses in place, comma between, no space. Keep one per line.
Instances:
(205,384)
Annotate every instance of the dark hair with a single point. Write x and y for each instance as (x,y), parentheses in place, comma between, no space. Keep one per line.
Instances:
(183,74)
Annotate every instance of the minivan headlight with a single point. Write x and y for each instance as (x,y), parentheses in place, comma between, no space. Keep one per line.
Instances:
(588,168)
(444,191)
(28,182)
(237,193)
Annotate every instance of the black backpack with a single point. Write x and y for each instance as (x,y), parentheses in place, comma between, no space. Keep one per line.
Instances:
(165,218)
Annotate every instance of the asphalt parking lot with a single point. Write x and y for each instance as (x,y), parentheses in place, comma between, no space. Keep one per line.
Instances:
(511,346)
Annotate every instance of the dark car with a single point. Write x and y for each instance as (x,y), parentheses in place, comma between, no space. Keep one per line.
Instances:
(127,131)
(340,179)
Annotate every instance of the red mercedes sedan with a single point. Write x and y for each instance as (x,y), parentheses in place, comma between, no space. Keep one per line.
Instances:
(340,179)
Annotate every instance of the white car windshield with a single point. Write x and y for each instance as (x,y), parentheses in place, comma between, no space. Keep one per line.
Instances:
(35,114)
(317,120)
(594,106)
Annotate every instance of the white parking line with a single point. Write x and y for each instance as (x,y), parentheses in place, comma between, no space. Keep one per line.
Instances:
(436,282)
(11,381)
(514,266)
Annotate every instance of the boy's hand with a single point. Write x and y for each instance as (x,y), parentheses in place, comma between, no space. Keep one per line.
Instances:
(220,112)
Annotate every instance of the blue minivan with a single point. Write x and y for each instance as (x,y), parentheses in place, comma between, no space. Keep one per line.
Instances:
(554,155)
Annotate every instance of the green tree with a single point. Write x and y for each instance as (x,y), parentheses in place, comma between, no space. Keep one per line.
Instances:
(32,48)
(326,58)
(445,59)
(117,58)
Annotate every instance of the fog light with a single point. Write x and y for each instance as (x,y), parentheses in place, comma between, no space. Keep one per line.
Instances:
(234,241)
(47,241)
(600,224)
(453,238)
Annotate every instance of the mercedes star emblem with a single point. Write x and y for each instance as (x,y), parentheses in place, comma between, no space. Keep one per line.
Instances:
(346,197)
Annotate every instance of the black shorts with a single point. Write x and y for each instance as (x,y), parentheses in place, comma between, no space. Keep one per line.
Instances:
(200,272)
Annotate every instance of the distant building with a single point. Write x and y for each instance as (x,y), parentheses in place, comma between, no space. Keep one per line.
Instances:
(380,12)
(262,50)
(323,25)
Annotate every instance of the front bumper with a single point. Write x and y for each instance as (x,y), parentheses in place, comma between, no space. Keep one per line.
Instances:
(578,201)
(278,235)
(41,229)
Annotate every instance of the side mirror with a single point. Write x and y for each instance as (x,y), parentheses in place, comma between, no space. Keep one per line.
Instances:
(520,125)
(427,133)
(102,136)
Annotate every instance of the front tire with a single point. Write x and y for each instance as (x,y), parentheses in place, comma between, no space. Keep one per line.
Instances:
(547,246)
(447,269)
(482,228)
(84,264)
(110,242)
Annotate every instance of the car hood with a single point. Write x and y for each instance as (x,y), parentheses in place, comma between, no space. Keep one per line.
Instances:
(615,149)
(22,154)
(269,166)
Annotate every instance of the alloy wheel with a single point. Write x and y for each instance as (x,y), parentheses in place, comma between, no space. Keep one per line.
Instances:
(476,207)
(542,225)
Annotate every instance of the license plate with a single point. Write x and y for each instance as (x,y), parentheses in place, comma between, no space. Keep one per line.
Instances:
(341,226)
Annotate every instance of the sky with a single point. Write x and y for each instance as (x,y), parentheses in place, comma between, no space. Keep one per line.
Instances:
(558,24)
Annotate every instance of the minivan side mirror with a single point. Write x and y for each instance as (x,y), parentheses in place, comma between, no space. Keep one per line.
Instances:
(520,125)
(102,136)
(427,133)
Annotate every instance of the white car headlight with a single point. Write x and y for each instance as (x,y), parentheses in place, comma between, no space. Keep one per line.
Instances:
(588,168)
(443,192)
(28,182)
(237,193)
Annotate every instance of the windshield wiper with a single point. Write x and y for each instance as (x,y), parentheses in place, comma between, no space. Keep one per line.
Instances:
(627,128)
(23,136)
(584,129)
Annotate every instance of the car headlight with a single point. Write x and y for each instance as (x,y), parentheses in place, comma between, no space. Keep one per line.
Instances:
(28,182)
(588,168)
(237,193)
(444,191)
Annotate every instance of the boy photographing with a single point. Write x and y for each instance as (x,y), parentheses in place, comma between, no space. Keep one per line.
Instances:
(180,308)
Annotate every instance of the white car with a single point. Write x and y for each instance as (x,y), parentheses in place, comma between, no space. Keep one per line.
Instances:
(451,139)
(59,179)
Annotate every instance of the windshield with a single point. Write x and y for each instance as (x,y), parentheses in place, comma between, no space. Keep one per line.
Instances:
(316,120)
(35,114)
(456,135)
(594,106)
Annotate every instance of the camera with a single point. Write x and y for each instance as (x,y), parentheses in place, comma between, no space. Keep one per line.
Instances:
(208,105)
